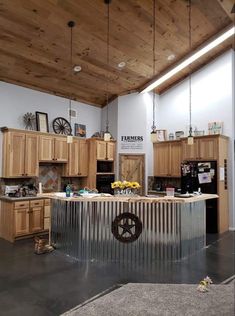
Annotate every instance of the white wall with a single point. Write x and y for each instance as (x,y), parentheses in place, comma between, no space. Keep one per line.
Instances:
(212,100)
(15,101)
(133,120)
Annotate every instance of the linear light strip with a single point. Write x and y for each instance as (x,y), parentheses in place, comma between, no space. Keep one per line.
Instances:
(190,59)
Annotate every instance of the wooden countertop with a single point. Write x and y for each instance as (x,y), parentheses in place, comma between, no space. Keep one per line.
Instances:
(133,199)
(23,198)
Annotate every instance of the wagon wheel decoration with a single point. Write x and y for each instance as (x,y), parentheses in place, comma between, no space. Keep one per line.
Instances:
(61,126)
(126,227)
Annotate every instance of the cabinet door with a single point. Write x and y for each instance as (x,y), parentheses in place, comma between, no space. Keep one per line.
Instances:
(46,148)
(15,155)
(72,166)
(61,149)
(36,219)
(101,150)
(208,148)
(190,152)
(21,221)
(47,214)
(161,159)
(31,155)
(175,159)
(83,158)
(110,150)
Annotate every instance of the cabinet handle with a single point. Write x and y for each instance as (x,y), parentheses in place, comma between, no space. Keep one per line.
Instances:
(21,205)
(30,212)
(36,203)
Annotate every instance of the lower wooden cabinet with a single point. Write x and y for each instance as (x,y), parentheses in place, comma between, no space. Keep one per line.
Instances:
(24,219)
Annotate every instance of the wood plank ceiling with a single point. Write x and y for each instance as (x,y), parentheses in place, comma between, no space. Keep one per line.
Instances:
(35,43)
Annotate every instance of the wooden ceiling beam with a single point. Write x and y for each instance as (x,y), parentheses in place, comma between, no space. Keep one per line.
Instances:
(227,6)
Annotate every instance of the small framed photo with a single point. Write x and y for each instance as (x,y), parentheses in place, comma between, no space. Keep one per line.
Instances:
(42,122)
(161,135)
(80,130)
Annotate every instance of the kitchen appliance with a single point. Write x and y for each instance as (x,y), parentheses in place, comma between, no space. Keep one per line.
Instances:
(11,190)
(103,183)
(202,176)
(20,190)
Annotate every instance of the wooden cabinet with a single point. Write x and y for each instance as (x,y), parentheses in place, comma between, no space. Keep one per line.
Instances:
(20,154)
(21,216)
(22,219)
(47,214)
(204,148)
(105,150)
(167,159)
(101,160)
(53,149)
(36,216)
(78,159)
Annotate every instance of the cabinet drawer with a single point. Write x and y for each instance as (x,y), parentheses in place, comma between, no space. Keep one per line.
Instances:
(23,204)
(47,202)
(36,203)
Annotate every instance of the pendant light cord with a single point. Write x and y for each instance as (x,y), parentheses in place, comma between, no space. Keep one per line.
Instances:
(71,63)
(190,70)
(71,24)
(107,54)
(154,66)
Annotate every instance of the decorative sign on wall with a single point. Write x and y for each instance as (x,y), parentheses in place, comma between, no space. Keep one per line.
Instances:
(132,142)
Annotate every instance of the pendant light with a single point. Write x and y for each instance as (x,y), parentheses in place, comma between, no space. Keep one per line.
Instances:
(153,134)
(107,135)
(190,136)
(71,24)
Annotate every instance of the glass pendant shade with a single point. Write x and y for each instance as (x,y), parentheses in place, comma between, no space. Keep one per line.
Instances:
(190,136)
(107,136)
(153,136)
(190,140)
(69,139)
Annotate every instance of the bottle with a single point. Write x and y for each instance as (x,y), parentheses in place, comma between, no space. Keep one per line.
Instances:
(68,190)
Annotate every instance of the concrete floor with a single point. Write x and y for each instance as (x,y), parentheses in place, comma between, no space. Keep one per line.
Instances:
(52,283)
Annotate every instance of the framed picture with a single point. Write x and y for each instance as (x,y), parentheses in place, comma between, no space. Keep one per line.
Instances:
(215,128)
(161,135)
(80,130)
(42,122)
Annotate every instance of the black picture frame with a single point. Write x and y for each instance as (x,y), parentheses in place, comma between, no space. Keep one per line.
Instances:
(80,130)
(42,122)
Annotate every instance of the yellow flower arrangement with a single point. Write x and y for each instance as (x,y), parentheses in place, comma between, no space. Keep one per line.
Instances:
(125,185)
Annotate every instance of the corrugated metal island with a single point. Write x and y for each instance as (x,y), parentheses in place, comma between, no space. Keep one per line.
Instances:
(128,229)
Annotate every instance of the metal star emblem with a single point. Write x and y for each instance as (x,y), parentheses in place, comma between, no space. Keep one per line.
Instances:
(126,228)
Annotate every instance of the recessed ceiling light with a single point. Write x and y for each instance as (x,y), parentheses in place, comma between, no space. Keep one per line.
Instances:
(122,64)
(77,68)
(186,62)
(171,57)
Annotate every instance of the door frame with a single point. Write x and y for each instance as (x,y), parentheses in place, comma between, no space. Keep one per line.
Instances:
(143,170)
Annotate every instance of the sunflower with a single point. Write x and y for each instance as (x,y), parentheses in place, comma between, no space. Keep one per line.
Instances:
(135,185)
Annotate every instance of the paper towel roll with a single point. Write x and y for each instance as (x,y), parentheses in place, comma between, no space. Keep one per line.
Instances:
(40,188)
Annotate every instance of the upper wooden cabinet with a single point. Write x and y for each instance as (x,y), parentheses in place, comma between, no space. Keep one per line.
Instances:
(204,148)
(53,149)
(167,159)
(105,150)
(20,154)
(78,159)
